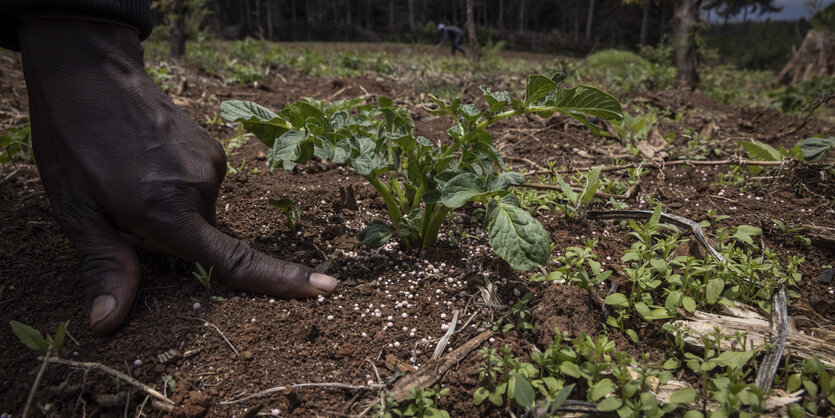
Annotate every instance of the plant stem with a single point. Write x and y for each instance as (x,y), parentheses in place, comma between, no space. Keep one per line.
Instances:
(398,192)
(394,211)
(37,383)
(431,235)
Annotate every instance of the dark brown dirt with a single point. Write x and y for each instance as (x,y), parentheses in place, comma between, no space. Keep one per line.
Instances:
(288,341)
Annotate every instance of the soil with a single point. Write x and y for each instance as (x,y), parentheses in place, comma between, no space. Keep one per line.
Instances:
(340,339)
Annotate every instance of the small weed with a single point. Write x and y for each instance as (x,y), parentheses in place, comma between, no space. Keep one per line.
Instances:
(168,384)
(16,145)
(291,210)
(160,75)
(203,276)
(420,402)
(33,339)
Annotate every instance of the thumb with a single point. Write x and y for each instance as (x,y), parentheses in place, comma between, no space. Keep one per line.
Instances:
(248,269)
(110,271)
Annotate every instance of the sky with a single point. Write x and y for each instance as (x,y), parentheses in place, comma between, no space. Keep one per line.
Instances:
(792,9)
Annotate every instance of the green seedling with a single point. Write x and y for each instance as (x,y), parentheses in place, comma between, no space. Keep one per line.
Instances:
(16,145)
(218,298)
(203,276)
(420,402)
(584,197)
(578,266)
(818,382)
(630,130)
(291,210)
(518,318)
(421,182)
(214,120)
(161,77)
(168,384)
(33,339)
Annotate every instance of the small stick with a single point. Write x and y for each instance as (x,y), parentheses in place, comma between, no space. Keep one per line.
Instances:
(780,324)
(142,406)
(35,385)
(113,372)
(304,385)
(218,331)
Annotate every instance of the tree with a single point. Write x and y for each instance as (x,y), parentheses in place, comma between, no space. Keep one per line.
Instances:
(590,20)
(685,31)
(474,53)
(645,23)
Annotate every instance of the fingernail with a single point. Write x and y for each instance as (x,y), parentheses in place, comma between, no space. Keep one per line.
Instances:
(103,305)
(323,282)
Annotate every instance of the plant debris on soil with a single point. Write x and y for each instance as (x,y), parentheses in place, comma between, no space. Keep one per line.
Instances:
(391,306)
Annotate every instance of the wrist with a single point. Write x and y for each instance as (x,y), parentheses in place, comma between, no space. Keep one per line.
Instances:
(69,43)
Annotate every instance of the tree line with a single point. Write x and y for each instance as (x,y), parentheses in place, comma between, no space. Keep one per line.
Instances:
(563,26)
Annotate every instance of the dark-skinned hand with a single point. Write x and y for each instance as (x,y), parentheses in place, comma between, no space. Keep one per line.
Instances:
(122,164)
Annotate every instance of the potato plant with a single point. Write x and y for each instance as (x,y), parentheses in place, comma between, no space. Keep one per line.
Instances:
(421,182)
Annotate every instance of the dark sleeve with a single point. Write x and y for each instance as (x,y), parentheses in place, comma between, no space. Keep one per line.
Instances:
(136,13)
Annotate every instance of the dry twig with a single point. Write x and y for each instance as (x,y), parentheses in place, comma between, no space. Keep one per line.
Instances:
(304,385)
(218,331)
(37,383)
(88,365)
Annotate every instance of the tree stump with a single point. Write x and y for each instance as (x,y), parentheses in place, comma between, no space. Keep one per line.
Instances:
(815,58)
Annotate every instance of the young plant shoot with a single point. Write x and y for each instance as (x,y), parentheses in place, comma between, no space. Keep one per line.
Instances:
(419,181)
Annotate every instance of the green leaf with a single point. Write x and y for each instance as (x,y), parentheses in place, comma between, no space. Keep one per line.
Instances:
(591,185)
(617,300)
(521,390)
(560,398)
(714,290)
(284,204)
(693,414)
(672,363)
(673,300)
(684,396)
(643,309)
(287,150)
(375,235)
(461,189)
(734,359)
(29,336)
(761,151)
(497,396)
(262,122)
(497,101)
(744,233)
(538,86)
(689,304)
(580,101)
(516,236)
(435,412)
(609,404)
(384,102)
(793,383)
(58,341)
(814,149)
(570,369)
(600,389)
(480,395)
(571,195)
